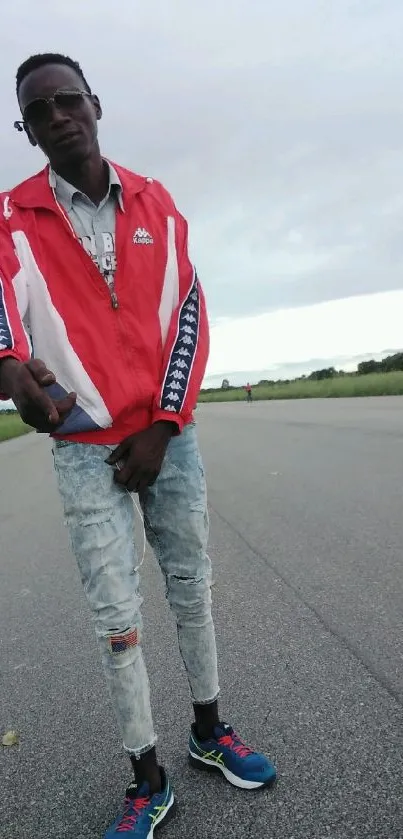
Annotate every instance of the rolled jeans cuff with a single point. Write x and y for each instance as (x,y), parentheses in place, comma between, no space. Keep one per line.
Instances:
(206,701)
(137,753)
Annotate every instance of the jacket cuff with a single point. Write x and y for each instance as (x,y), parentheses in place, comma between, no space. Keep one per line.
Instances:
(168,416)
(3,356)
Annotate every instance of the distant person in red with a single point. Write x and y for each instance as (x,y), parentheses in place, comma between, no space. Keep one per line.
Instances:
(249,397)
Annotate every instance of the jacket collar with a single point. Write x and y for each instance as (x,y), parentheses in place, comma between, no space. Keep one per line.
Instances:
(36,192)
(65,192)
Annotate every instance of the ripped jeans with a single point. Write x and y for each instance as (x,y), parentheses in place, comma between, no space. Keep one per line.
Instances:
(100,518)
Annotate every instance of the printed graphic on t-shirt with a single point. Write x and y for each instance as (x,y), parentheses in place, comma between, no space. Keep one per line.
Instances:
(101,249)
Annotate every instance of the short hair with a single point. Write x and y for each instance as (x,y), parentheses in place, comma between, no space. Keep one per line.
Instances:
(41,59)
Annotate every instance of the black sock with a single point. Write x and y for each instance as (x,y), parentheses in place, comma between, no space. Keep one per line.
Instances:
(207,718)
(146,768)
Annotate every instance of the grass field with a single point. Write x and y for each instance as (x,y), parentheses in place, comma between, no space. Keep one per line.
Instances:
(374,384)
(12,426)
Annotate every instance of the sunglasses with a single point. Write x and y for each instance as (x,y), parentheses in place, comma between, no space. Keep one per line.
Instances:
(39,110)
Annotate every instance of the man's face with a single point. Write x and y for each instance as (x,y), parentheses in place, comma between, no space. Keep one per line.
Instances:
(65,129)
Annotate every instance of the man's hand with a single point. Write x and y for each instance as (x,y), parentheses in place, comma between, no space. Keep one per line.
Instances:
(142,454)
(25,384)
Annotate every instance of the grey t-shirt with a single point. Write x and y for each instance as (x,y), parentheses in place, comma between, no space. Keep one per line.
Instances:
(94,226)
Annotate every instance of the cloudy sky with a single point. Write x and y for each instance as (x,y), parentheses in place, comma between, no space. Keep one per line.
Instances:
(277,125)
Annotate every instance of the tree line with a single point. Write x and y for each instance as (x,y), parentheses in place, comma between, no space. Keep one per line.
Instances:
(387,365)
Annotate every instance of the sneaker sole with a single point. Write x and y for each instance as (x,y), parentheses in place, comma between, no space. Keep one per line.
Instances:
(164,818)
(240,783)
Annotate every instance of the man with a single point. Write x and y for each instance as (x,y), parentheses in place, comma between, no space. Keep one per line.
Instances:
(248,393)
(95,268)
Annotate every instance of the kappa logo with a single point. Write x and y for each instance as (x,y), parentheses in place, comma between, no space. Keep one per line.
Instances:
(142,237)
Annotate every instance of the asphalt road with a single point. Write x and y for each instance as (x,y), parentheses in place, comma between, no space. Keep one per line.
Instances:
(307,534)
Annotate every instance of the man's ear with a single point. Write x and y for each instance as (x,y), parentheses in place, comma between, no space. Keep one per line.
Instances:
(30,136)
(97,106)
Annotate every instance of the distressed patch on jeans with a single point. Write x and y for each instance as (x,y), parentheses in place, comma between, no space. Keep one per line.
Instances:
(121,643)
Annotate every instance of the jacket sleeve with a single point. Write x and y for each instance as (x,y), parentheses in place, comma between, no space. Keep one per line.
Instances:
(187,343)
(14,342)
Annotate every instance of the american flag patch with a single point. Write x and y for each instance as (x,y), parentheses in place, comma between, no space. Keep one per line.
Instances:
(121,643)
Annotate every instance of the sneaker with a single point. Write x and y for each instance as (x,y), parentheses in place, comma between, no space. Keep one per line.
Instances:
(227,753)
(143,813)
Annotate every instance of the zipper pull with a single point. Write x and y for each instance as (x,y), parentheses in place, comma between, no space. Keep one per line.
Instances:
(110,282)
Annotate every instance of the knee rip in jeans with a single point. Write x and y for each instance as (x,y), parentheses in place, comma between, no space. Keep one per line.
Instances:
(188,580)
(200,583)
(121,642)
(189,598)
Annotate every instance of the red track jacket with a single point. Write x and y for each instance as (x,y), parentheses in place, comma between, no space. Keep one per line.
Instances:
(131,364)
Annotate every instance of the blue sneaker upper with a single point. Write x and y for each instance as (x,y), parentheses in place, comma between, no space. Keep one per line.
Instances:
(226,749)
(141,812)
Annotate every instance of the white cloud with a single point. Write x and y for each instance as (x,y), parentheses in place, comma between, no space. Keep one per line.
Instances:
(324,331)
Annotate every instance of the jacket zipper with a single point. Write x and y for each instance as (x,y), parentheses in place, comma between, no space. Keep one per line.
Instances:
(111,282)
(111,287)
